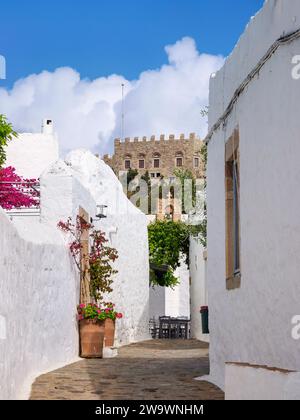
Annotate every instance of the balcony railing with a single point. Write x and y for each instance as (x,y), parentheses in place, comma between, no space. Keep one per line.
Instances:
(20,198)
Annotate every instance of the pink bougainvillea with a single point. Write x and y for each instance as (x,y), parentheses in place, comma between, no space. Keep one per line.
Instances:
(17,192)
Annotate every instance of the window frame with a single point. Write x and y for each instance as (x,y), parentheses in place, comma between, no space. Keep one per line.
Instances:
(125,164)
(232,212)
(181,159)
(156,159)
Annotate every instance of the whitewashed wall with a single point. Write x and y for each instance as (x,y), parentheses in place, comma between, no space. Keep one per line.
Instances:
(253,324)
(157,302)
(172,302)
(39,286)
(198,288)
(31,153)
(246,382)
(38,295)
(85,180)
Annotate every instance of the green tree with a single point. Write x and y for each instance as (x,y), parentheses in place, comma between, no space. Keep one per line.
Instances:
(6,134)
(168,242)
(131,175)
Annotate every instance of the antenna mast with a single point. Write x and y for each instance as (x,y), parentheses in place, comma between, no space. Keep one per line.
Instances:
(123,115)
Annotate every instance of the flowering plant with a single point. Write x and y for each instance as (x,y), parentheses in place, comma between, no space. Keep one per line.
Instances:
(17,192)
(95,312)
(100,257)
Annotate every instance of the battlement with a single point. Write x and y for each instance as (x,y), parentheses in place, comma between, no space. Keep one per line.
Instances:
(161,138)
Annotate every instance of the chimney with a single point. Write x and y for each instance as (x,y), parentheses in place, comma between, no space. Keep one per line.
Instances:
(47,126)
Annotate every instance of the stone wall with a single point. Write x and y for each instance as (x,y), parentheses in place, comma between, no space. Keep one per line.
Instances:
(165,149)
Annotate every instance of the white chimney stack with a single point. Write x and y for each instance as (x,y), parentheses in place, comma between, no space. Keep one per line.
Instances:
(47,126)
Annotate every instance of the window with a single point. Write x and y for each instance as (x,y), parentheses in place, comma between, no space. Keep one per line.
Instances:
(127,164)
(232,187)
(141,164)
(179,159)
(156,163)
(179,162)
(196,162)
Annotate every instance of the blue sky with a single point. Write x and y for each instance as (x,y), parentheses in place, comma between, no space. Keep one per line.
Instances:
(70,59)
(102,37)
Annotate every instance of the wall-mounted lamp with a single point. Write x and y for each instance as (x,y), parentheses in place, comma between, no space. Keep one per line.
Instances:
(101,212)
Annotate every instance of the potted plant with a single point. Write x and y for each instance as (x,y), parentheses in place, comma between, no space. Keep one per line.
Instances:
(91,326)
(97,328)
(94,261)
(110,323)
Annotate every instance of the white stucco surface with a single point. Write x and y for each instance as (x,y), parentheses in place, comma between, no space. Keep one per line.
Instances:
(85,180)
(253,324)
(260,384)
(178,300)
(198,288)
(157,302)
(31,153)
(38,294)
(39,288)
(165,301)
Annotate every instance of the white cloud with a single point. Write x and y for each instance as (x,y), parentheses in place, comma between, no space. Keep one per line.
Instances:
(88,113)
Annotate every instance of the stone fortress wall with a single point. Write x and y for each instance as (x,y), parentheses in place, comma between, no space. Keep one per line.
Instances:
(167,150)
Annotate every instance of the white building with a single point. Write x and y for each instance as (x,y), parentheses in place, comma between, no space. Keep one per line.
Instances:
(39,287)
(198,287)
(31,153)
(253,209)
(174,302)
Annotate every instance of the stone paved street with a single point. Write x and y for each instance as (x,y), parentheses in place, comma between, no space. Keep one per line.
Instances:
(157,369)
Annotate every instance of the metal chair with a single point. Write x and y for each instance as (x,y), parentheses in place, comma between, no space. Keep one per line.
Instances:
(164,327)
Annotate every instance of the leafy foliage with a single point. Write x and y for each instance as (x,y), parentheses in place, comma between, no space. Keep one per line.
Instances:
(131,175)
(168,241)
(17,192)
(99,313)
(101,270)
(100,257)
(6,134)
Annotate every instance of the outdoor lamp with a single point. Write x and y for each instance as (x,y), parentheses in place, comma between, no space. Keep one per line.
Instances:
(101,211)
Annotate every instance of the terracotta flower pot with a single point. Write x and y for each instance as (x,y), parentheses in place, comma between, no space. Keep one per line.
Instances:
(109,333)
(91,338)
